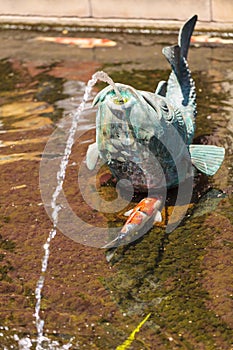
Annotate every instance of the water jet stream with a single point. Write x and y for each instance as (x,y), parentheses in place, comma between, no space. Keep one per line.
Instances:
(100,75)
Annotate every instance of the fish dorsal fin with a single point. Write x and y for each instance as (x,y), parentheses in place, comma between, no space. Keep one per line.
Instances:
(92,156)
(161,88)
(175,54)
(172,54)
(181,87)
(207,158)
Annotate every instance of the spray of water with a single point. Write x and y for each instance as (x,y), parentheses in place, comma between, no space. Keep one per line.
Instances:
(60,180)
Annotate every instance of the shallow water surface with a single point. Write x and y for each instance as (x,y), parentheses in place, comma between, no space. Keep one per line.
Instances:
(182,279)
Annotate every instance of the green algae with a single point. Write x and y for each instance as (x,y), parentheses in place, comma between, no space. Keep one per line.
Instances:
(159,273)
(16,85)
(9,78)
(50,89)
(163,274)
(209,102)
(170,285)
(184,307)
(6,266)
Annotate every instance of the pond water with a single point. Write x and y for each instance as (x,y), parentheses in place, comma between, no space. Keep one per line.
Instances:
(181,281)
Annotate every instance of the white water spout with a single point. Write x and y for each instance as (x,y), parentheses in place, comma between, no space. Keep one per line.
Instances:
(100,75)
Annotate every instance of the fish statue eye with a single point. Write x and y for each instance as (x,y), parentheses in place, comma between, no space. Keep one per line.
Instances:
(120,102)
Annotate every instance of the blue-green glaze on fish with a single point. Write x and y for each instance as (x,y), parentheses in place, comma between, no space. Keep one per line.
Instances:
(146,137)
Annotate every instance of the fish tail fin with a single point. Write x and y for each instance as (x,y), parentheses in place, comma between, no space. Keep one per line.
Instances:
(207,158)
(181,88)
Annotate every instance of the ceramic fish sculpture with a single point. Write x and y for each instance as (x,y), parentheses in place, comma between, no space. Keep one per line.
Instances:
(146,137)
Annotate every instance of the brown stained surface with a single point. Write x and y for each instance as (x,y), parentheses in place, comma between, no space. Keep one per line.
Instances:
(218,269)
(75,301)
(25,222)
(74,70)
(81,265)
(184,279)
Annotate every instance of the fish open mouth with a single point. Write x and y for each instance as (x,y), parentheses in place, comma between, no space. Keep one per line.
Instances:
(119,95)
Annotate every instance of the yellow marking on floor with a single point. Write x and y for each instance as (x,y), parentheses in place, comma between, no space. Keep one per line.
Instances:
(131,337)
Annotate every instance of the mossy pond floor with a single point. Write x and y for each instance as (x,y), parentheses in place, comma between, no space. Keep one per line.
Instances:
(183,279)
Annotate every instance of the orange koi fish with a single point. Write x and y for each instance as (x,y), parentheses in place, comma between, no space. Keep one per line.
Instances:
(146,209)
(87,43)
(207,39)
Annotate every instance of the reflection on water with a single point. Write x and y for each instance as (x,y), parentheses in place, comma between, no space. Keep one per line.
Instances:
(184,279)
(19,156)
(21,110)
(23,141)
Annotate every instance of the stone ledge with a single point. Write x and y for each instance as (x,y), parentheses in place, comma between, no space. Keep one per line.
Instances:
(108,24)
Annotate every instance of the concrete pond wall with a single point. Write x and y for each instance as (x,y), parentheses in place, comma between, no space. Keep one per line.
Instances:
(213,14)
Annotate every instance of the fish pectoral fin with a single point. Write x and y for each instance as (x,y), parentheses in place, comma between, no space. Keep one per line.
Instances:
(161,88)
(207,158)
(158,217)
(92,156)
(128,213)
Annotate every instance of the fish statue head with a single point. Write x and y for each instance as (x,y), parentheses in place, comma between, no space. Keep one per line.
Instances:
(126,129)
(132,112)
